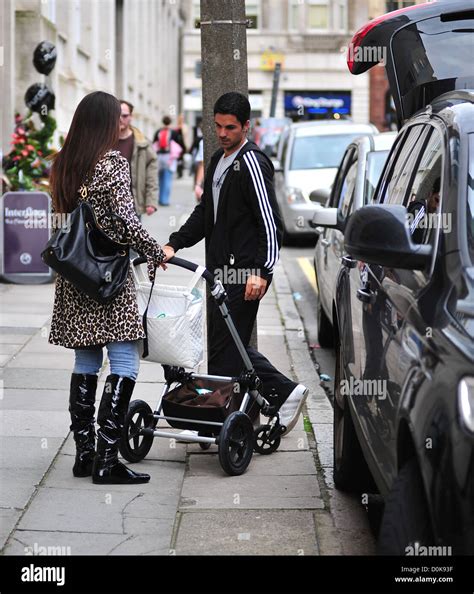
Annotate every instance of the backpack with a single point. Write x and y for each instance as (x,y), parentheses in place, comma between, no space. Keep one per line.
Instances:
(164,136)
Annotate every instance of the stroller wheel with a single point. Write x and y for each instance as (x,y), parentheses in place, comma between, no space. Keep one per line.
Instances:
(264,442)
(236,443)
(204,446)
(134,446)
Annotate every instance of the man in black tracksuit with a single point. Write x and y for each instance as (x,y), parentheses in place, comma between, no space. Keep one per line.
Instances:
(239,217)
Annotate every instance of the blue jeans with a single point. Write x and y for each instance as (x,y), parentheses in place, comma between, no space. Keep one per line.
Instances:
(123,356)
(165,179)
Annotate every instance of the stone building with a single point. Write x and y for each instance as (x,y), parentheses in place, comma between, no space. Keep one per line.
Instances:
(126,47)
(309,38)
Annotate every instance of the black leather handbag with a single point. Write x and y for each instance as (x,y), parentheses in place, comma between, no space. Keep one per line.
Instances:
(87,257)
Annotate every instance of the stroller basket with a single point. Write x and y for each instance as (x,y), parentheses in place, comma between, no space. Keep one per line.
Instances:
(201,400)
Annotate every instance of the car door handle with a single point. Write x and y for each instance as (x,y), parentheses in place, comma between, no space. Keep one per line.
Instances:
(325,242)
(366,295)
(348,262)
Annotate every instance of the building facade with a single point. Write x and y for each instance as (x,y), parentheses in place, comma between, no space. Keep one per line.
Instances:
(309,38)
(126,47)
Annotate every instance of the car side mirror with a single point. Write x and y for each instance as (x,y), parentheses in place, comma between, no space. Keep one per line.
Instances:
(328,217)
(320,196)
(277,166)
(379,234)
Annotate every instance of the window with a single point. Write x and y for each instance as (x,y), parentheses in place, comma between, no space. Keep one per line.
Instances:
(48,9)
(294,12)
(317,14)
(397,4)
(319,152)
(339,181)
(345,201)
(196,13)
(423,200)
(402,164)
(373,169)
(470,199)
(252,13)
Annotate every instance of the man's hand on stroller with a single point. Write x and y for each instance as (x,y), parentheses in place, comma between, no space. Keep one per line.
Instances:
(255,288)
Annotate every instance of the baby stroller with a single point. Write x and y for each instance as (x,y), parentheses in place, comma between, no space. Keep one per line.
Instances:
(215,406)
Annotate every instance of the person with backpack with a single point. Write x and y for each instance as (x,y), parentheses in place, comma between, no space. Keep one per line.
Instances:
(166,144)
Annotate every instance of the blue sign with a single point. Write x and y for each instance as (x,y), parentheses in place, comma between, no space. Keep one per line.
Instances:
(314,102)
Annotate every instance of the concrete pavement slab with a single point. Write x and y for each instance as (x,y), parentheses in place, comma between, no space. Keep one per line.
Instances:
(28,360)
(40,379)
(6,338)
(9,516)
(35,423)
(276,464)
(45,400)
(264,532)
(250,492)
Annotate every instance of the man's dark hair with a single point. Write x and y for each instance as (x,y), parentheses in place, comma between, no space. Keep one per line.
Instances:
(166,120)
(234,104)
(130,106)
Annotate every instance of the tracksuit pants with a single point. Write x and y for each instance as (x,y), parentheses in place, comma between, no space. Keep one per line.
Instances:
(223,356)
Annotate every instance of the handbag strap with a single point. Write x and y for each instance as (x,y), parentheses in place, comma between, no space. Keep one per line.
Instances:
(195,278)
(145,320)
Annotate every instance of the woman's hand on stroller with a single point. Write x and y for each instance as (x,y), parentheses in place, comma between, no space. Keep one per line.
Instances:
(169,251)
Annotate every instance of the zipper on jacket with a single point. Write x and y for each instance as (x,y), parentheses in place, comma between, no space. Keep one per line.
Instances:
(231,260)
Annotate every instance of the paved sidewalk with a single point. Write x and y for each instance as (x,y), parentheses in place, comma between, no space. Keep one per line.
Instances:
(284,504)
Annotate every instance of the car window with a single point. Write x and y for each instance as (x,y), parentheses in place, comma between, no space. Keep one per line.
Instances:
(404,165)
(470,199)
(349,156)
(423,200)
(347,191)
(373,169)
(319,152)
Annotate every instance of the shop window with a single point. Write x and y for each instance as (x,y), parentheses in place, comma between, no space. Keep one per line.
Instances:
(397,4)
(317,14)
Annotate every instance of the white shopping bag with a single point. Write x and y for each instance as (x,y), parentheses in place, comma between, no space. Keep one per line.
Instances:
(174,320)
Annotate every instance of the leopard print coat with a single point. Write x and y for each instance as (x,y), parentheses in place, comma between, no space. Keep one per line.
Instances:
(79,321)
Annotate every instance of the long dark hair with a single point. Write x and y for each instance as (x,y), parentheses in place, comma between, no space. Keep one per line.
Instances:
(94,130)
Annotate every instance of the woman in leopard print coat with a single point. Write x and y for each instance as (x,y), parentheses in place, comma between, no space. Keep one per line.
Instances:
(79,322)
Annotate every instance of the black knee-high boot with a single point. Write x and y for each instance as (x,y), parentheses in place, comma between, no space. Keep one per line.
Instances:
(82,409)
(112,410)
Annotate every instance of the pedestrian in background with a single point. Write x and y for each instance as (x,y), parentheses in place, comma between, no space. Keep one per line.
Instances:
(166,144)
(238,216)
(136,148)
(181,133)
(79,322)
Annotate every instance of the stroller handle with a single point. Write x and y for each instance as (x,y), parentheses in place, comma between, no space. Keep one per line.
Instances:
(208,276)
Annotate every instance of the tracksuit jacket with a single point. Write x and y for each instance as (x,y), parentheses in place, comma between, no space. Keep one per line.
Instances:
(248,228)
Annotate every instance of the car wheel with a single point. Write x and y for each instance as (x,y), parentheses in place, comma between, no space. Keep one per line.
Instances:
(325,329)
(406,519)
(351,472)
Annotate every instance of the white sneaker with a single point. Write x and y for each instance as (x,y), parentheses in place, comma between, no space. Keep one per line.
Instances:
(291,408)
(186,433)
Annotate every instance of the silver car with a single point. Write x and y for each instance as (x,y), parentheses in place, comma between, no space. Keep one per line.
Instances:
(354,187)
(308,156)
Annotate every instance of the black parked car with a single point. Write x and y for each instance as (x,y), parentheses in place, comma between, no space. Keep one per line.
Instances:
(404,381)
